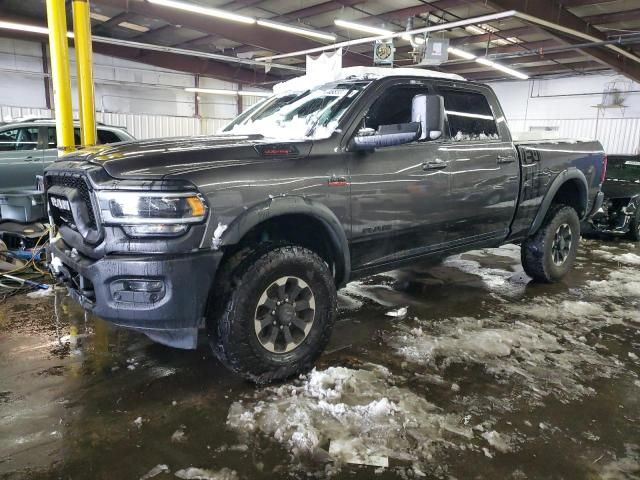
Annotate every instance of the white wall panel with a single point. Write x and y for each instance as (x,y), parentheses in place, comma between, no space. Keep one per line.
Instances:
(570,105)
(617,135)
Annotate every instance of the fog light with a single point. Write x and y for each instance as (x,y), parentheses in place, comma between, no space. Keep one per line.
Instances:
(143,286)
(137,291)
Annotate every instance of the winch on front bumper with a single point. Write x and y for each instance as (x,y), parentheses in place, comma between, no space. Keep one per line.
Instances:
(164,296)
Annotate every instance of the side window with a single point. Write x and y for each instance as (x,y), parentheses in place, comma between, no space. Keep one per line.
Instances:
(52,140)
(469,115)
(393,107)
(106,136)
(19,139)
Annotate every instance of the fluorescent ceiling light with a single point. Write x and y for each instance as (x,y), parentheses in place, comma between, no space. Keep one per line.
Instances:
(211,12)
(249,93)
(502,68)
(483,61)
(461,53)
(307,32)
(231,93)
(24,28)
(362,28)
(133,26)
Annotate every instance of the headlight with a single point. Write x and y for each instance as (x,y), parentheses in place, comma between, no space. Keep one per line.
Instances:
(151,213)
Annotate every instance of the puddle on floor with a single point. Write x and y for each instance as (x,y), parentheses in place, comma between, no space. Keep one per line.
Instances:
(486,376)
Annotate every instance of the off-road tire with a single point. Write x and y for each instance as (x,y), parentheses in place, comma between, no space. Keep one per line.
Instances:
(536,253)
(231,322)
(634,226)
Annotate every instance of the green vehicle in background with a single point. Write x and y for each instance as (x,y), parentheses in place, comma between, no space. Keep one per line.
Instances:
(620,212)
(28,146)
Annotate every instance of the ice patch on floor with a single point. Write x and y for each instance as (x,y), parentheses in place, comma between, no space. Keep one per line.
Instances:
(193,473)
(623,468)
(624,258)
(498,441)
(155,471)
(361,412)
(622,283)
(539,362)
(496,279)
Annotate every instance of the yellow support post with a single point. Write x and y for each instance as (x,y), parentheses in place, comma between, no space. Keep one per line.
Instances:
(84,62)
(59,48)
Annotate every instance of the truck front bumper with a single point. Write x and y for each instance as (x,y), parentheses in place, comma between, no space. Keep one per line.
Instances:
(163,296)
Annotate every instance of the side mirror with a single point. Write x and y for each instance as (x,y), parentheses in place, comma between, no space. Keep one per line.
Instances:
(385,136)
(428,110)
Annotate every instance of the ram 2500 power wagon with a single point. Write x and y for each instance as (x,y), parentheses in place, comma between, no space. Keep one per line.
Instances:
(251,232)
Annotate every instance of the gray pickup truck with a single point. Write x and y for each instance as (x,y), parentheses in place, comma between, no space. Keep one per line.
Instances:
(251,232)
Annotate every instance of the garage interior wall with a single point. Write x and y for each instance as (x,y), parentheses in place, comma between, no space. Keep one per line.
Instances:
(602,107)
(149,101)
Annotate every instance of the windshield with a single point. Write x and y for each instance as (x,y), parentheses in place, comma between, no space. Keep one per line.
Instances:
(311,114)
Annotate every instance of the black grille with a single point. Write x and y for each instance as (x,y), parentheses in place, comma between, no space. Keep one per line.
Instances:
(79,184)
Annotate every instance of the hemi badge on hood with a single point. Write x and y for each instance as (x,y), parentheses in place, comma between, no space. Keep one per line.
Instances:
(277,150)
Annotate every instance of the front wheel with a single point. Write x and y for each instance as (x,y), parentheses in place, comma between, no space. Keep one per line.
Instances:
(550,253)
(277,316)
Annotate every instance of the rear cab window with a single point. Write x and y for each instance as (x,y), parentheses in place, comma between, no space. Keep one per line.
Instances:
(469,115)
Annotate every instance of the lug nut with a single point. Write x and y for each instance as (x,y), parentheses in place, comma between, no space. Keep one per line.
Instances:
(281,327)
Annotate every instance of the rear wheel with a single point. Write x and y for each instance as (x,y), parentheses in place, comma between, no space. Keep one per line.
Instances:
(548,255)
(277,314)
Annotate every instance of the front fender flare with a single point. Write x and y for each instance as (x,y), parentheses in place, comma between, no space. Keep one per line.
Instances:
(288,205)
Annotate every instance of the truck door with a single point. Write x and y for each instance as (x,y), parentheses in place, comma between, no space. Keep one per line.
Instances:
(20,158)
(398,193)
(483,164)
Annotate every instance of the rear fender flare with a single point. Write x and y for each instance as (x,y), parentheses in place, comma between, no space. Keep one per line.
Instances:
(558,182)
(288,205)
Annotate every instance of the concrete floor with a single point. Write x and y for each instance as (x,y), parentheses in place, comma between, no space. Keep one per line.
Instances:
(487,377)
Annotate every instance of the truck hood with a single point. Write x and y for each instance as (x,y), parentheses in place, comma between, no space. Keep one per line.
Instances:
(162,157)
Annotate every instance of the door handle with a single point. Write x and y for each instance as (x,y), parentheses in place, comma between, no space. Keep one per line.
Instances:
(436,164)
(29,159)
(504,159)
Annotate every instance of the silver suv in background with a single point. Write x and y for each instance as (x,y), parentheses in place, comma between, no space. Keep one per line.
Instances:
(27,147)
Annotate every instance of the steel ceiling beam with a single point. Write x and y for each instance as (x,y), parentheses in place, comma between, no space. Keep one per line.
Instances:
(317,9)
(554,12)
(583,3)
(201,66)
(614,17)
(255,35)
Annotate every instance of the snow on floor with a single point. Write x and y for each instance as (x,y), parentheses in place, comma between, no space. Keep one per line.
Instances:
(349,416)
(624,468)
(528,354)
(621,283)
(506,281)
(623,258)
(193,473)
